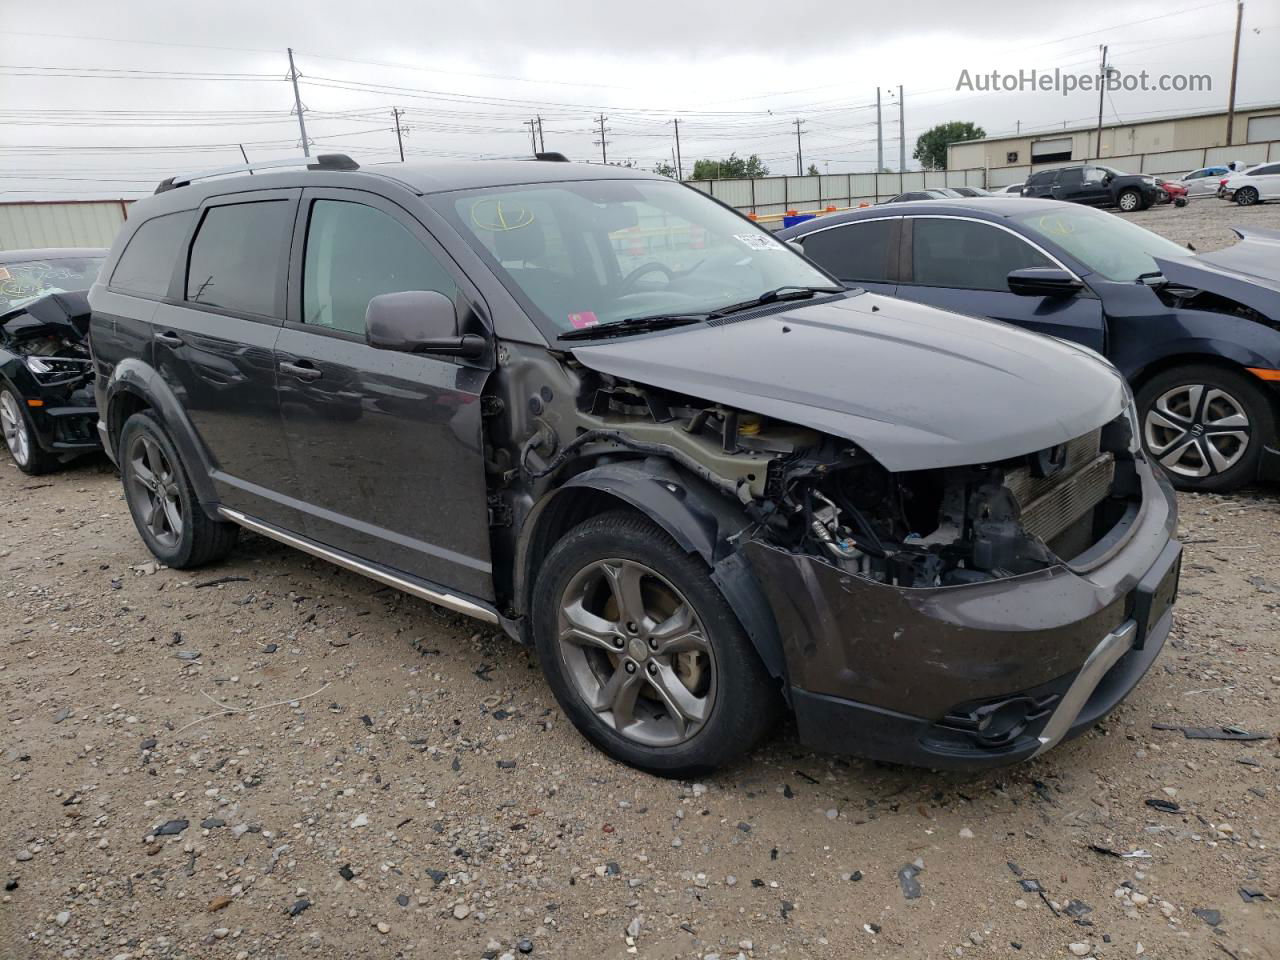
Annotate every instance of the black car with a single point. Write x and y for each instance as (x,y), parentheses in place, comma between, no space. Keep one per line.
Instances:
(935,194)
(971,191)
(1094,185)
(1197,336)
(618,420)
(47,413)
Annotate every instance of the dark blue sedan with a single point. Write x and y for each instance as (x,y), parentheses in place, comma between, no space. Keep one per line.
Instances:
(1197,335)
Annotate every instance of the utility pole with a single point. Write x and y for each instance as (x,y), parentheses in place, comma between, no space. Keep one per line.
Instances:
(533,134)
(1235,62)
(395,112)
(1102,92)
(602,143)
(799,151)
(542,144)
(879,135)
(297,105)
(902,134)
(679,163)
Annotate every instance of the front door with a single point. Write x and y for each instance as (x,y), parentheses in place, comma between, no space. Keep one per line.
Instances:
(213,344)
(964,265)
(387,445)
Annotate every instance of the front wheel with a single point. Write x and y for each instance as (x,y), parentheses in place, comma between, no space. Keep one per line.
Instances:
(643,653)
(1247,196)
(1206,426)
(1129,201)
(163,503)
(20,438)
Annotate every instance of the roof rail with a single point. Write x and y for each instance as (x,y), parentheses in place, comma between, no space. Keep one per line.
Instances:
(325,161)
(555,156)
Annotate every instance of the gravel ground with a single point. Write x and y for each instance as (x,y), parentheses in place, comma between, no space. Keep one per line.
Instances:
(275,758)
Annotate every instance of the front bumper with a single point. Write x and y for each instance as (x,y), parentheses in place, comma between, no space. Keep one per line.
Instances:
(973,676)
(64,422)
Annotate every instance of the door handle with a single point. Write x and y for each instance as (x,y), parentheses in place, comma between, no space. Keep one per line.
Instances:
(169,339)
(303,370)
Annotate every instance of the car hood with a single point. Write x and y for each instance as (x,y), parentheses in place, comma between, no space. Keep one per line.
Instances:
(914,386)
(1248,272)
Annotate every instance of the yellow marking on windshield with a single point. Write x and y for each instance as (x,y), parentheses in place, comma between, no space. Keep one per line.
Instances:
(499,219)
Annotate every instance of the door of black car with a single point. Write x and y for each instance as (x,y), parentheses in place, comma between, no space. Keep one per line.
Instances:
(1069,185)
(386,444)
(213,340)
(963,265)
(1040,184)
(861,253)
(1095,186)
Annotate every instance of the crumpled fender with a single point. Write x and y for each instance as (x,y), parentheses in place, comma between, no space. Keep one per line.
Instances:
(699,518)
(134,376)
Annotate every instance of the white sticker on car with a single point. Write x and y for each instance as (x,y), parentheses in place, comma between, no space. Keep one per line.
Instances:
(758,241)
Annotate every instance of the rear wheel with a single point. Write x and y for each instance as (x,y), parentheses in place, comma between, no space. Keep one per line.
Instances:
(1129,200)
(20,438)
(1206,426)
(644,654)
(1247,196)
(162,501)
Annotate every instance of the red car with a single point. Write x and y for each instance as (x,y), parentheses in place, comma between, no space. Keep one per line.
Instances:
(1172,192)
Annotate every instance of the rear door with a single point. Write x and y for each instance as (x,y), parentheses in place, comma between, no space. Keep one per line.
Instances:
(1040,184)
(862,253)
(213,343)
(963,265)
(387,445)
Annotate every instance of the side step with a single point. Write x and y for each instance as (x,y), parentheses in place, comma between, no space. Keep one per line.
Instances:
(413,586)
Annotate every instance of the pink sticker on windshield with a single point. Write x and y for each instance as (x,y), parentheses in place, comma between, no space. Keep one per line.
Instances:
(582,320)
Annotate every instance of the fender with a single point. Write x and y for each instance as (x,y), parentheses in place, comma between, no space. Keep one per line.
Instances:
(700,519)
(1213,336)
(137,378)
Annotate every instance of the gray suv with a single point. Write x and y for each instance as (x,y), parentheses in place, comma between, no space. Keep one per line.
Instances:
(616,419)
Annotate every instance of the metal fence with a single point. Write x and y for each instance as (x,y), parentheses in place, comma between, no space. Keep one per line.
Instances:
(75,223)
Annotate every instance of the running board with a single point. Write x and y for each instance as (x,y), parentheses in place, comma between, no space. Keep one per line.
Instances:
(414,587)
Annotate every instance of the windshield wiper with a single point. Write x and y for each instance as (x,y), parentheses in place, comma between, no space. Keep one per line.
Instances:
(788,292)
(615,328)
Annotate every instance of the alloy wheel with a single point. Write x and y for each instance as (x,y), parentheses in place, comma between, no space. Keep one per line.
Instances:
(636,652)
(154,487)
(1246,196)
(14,427)
(1128,202)
(1197,430)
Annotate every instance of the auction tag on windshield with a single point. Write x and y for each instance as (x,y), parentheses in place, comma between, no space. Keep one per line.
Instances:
(581,321)
(757,241)
(4,274)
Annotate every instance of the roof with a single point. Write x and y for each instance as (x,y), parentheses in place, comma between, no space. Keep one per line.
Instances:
(435,176)
(50,253)
(991,208)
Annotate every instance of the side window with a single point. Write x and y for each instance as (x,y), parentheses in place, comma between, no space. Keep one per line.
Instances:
(146,266)
(354,253)
(1071,178)
(857,251)
(1268,171)
(967,255)
(238,258)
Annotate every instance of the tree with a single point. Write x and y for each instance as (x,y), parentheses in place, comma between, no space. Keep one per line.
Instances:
(664,168)
(931,146)
(734,167)
(812,171)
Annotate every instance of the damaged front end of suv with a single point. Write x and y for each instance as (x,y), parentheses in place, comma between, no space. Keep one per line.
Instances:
(965,613)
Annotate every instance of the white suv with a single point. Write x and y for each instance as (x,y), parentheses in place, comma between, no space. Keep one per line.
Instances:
(1258,183)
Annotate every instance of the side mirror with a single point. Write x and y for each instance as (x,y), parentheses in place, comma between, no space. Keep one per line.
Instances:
(418,321)
(1043,282)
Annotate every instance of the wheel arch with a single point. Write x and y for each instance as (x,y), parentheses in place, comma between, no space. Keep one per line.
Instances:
(1150,371)
(700,520)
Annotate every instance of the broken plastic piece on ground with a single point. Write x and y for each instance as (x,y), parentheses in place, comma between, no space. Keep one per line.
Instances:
(1253,895)
(910,885)
(1212,733)
(1123,855)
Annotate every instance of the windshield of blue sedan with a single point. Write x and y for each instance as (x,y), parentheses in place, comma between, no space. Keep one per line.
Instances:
(591,252)
(25,280)
(1105,243)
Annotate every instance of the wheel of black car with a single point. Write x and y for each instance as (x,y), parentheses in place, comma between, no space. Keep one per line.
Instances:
(1247,196)
(20,438)
(165,510)
(1129,200)
(642,651)
(1206,426)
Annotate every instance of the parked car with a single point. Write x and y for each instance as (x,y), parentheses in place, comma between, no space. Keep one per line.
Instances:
(1013,189)
(47,412)
(697,474)
(971,191)
(1172,192)
(934,194)
(1253,185)
(1094,185)
(1197,336)
(1203,182)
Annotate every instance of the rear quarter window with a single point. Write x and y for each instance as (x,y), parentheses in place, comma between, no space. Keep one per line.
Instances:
(146,266)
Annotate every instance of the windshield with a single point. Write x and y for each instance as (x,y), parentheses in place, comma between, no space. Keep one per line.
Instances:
(1106,244)
(582,253)
(25,280)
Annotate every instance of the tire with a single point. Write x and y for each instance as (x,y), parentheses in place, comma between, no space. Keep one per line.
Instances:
(20,437)
(1247,196)
(1180,201)
(1213,458)
(162,501)
(591,651)
(1129,200)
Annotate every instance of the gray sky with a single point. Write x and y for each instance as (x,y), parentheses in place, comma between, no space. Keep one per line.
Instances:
(155,90)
